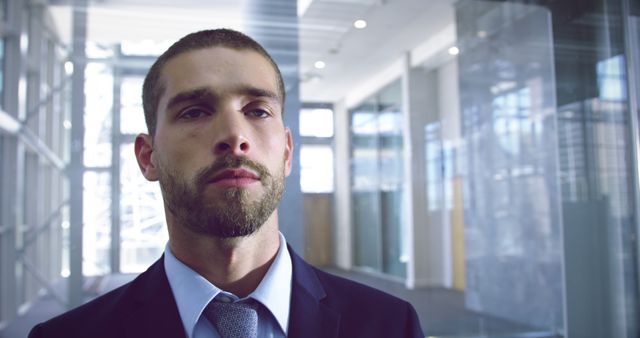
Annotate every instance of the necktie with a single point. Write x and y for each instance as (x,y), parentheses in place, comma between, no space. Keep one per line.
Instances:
(234,320)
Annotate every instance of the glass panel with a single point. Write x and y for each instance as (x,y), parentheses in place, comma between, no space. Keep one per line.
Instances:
(316,168)
(365,184)
(96,223)
(534,171)
(512,224)
(143,233)
(99,99)
(380,229)
(391,180)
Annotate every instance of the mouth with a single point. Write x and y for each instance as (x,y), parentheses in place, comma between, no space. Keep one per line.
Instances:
(234,177)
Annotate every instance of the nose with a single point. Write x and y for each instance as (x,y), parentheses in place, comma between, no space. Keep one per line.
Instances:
(233,138)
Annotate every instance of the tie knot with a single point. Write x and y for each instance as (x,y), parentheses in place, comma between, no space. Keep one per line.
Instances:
(234,320)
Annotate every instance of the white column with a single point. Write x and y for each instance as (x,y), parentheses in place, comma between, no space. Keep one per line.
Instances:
(429,236)
(342,224)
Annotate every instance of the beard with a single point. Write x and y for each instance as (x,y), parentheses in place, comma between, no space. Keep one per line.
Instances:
(231,213)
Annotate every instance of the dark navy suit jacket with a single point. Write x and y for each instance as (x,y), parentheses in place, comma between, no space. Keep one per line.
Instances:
(322,306)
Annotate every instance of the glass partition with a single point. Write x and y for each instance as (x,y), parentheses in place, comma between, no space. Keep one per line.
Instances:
(365,192)
(377,188)
(536,170)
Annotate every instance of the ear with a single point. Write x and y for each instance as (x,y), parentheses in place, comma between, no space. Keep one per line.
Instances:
(144,155)
(288,152)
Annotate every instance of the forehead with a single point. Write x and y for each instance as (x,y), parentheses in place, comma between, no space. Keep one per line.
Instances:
(219,68)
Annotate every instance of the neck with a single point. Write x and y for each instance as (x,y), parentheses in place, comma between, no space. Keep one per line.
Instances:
(235,265)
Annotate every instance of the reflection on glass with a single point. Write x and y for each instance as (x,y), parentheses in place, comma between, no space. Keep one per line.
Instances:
(377,150)
(365,194)
(611,79)
(544,161)
(513,257)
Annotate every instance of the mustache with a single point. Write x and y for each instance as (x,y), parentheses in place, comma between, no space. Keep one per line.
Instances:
(230,161)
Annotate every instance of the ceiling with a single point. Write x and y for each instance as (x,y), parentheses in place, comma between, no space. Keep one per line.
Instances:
(326,31)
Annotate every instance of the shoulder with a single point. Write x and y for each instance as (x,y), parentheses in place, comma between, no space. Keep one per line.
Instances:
(105,315)
(345,292)
(384,314)
(363,311)
(99,315)
(340,291)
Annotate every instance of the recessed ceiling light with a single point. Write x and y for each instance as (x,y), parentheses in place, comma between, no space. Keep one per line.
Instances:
(359,24)
(319,64)
(454,50)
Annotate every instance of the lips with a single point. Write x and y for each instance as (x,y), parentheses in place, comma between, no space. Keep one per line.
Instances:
(234,177)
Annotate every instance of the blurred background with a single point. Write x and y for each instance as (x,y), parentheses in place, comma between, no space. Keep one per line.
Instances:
(477,158)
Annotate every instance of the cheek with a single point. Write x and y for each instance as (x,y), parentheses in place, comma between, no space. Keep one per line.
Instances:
(276,151)
(268,141)
(182,152)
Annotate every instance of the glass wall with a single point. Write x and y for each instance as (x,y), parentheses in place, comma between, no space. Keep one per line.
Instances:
(524,128)
(512,223)
(540,157)
(33,150)
(377,182)
(97,160)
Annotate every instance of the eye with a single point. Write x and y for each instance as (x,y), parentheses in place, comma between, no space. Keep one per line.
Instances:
(258,113)
(193,113)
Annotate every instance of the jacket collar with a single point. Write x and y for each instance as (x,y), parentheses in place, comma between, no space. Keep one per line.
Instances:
(154,311)
(308,315)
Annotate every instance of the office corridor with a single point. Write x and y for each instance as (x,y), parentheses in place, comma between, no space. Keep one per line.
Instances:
(478,158)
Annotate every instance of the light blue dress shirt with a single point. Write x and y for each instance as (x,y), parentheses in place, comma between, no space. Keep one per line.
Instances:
(193,293)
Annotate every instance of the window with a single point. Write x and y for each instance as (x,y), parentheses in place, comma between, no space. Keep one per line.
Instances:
(316,150)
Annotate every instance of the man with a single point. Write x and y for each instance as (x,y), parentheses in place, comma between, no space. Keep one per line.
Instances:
(218,146)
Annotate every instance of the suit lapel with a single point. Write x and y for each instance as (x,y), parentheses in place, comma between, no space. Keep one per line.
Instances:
(154,312)
(308,316)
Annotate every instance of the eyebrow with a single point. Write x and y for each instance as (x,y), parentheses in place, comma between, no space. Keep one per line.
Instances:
(191,95)
(258,92)
(204,93)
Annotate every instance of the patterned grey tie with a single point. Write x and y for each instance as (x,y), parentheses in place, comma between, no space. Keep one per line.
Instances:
(234,320)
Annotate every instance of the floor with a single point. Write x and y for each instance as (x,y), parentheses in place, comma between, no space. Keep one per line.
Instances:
(442,312)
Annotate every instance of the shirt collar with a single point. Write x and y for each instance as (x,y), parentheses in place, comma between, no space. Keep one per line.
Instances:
(193,292)
(274,291)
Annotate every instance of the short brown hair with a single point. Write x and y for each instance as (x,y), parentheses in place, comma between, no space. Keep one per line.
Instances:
(153,88)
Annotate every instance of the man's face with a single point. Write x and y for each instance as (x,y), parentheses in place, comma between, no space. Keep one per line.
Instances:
(221,150)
